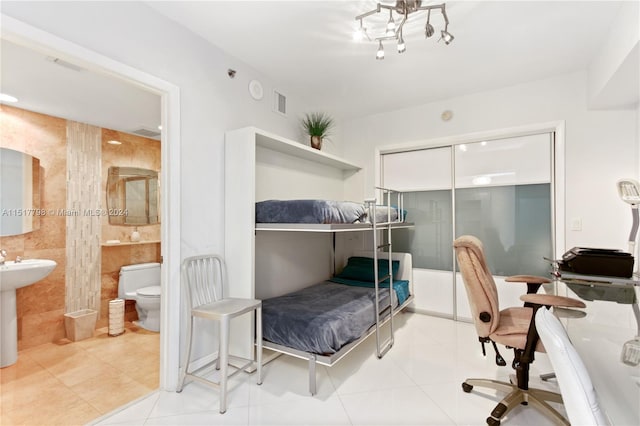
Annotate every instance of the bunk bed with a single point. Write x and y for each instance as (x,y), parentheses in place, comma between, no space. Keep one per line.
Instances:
(264,260)
(324,322)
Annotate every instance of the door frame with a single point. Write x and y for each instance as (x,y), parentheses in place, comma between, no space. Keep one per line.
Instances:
(558,228)
(34,38)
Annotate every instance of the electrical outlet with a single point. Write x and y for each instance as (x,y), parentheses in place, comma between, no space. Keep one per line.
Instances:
(576,224)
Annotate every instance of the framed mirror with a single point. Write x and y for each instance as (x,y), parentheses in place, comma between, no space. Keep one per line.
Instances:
(132,196)
(20,210)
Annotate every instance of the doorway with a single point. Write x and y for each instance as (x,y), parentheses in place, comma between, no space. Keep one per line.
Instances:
(34,38)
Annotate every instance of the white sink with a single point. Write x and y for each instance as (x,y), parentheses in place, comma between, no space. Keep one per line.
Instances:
(16,275)
(13,276)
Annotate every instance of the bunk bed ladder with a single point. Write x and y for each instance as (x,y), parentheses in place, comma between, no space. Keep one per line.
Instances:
(382,348)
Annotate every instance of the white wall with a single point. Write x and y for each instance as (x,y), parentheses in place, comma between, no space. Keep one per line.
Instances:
(613,72)
(601,146)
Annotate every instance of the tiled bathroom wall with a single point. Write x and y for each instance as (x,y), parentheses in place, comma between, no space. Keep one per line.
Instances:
(41,306)
(83,221)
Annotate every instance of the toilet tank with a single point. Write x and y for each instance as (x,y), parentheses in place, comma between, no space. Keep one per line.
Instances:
(133,277)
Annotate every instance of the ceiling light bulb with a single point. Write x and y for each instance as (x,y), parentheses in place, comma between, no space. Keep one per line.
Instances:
(401,46)
(114,142)
(391,25)
(359,33)
(380,54)
(7,98)
(446,36)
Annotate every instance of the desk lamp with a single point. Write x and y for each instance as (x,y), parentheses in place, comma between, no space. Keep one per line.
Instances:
(629,192)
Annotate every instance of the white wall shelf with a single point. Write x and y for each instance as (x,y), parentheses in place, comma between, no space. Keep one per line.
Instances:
(129,243)
(296,149)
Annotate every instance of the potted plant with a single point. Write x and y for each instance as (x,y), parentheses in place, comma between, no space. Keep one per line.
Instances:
(318,125)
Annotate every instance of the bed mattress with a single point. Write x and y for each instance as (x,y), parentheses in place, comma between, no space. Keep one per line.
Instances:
(322,318)
(308,211)
(321,212)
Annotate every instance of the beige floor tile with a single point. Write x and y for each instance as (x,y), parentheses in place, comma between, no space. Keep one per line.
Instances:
(27,390)
(50,354)
(24,367)
(70,383)
(107,393)
(81,367)
(70,410)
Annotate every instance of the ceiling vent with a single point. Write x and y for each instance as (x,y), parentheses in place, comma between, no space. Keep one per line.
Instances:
(279,103)
(146,133)
(65,64)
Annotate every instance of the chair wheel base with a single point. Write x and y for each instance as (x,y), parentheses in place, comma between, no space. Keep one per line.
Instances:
(499,411)
(493,422)
(466,387)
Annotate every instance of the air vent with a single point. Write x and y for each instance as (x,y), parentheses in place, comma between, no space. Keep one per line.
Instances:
(279,103)
(65,64)
(146,133)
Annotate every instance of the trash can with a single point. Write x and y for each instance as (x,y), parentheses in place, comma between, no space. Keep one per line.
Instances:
(79,325)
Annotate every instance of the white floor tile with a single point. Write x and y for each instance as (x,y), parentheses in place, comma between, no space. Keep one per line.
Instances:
(309,411)
(400,406)
(233,416)
(131,414)
(361,371)
(418,382)
(287,379)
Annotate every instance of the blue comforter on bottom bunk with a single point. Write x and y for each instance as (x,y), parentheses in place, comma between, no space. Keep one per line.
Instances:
(323,318)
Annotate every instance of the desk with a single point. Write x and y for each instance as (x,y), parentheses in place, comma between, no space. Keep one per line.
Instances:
(599,338)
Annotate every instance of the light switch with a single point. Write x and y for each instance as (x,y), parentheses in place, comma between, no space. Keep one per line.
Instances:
(576,224)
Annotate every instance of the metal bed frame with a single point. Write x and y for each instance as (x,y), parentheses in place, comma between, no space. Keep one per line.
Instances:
(382,317)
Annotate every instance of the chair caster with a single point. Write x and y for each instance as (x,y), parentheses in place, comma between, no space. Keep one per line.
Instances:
(466,387)
(493,422)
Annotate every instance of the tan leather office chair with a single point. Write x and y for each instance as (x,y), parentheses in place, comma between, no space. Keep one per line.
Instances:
(512,327)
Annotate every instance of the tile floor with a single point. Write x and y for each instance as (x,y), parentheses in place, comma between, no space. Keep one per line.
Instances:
(416,383)
(71,383)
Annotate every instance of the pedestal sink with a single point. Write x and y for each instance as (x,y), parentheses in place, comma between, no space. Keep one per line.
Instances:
(13,276)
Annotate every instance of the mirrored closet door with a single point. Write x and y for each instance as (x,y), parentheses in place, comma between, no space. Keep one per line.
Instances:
(498,190)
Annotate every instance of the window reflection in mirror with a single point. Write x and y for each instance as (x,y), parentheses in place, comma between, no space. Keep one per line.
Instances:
(132,196)
(19,193)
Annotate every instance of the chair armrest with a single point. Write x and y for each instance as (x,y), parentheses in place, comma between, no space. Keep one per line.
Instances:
(532,279)
(533,282)
(551,300)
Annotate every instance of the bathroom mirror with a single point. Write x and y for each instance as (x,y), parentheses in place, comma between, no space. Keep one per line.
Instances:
(132,196)
(19,193)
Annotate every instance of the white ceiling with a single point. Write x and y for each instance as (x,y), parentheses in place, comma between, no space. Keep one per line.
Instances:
(43,85)
(306,48)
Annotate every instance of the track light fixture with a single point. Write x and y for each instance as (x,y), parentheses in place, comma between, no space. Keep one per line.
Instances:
(403,10)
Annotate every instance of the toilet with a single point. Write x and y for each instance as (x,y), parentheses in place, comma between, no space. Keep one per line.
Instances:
(141,283)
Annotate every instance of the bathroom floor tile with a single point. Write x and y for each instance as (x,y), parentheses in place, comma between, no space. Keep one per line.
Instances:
(70,384)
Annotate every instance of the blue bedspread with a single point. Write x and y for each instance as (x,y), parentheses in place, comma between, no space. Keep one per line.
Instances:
(309,211)
(322,318)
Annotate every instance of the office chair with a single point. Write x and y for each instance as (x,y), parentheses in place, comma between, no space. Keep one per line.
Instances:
(204,279)
(513,327)
(578,394)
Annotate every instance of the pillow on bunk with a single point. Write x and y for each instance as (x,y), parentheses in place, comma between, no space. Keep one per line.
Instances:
(361,269)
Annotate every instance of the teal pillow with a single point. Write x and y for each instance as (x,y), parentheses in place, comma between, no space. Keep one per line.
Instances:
(361,269)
